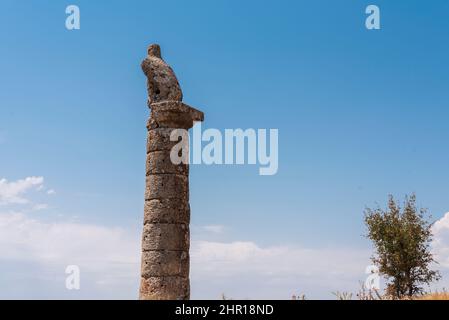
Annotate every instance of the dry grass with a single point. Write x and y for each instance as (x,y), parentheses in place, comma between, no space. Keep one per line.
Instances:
(435,296)
(373,294)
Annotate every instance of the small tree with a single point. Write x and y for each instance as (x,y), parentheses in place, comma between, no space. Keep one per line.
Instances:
(402,244)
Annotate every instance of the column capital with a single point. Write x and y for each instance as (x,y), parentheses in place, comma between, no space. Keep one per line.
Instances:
(174,114)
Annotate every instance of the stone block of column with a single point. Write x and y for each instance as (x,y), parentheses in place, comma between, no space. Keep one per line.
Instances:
(172,210)
(165,288)
(165,236)
(158,162)
(165,186)
(159,140)
(174,262)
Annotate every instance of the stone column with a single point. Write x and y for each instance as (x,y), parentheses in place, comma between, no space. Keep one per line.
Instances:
(166,238)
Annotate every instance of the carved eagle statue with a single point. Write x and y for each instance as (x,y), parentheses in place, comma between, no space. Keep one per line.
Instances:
(162,83)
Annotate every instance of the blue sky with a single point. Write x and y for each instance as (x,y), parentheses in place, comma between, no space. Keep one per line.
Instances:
(360,114)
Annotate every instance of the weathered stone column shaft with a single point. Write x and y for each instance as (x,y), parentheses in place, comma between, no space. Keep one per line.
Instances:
(166,235)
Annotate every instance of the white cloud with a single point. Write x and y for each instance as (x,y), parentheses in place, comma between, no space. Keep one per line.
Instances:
(12,192)
(440,244)
(111,256)
(108,257)
(90,246)
(51,191)
(34,252)
(247,270)
(39,206)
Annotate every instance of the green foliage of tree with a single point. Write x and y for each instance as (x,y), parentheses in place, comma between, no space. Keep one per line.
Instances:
(402,242)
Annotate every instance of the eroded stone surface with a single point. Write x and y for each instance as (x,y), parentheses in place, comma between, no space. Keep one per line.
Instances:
(159,140)
(165,288)
(160,186)
(165,263)
(167,211)
(159,162)
(174,114)
(164,236)
(162,83)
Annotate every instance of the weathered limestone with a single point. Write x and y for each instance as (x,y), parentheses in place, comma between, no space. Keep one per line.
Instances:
(162,83)
(166,235)
(165,288)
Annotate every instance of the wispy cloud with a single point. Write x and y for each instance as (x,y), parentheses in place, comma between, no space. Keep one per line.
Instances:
(440,244)
(108,257)
(247,270)
(61,243)
(39,206)
(12,192)
(214,228)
